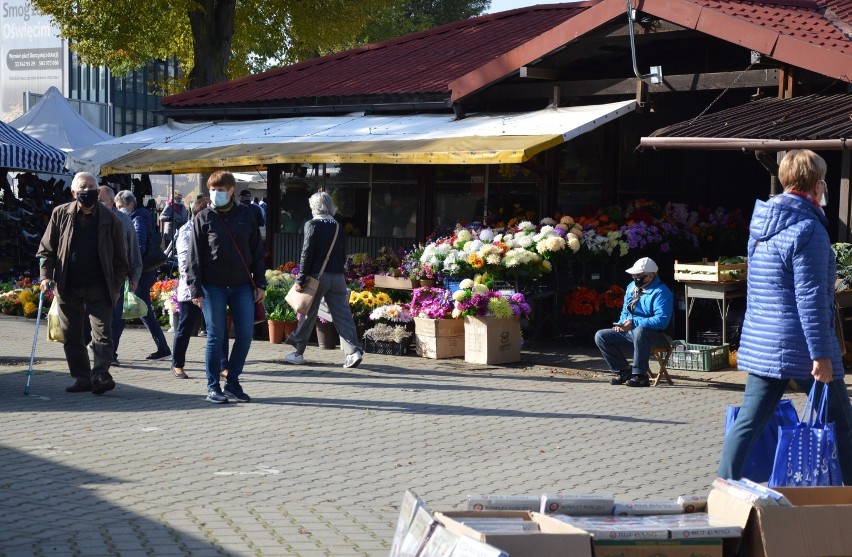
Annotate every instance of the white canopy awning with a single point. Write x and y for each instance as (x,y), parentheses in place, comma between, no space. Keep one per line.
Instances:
(179,148)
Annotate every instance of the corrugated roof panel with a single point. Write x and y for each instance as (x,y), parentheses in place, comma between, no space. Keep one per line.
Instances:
(800,118)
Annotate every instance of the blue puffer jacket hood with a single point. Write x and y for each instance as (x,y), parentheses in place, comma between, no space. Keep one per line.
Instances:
(790,291)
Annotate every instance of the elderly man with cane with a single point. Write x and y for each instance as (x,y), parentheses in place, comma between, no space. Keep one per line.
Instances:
(83,252)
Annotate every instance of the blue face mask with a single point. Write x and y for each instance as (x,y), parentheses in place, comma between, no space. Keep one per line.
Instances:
(220,198)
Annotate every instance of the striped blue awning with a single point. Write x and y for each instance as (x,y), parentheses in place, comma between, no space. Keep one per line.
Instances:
(18,151)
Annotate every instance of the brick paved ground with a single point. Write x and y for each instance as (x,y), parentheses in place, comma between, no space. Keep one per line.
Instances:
(318,462)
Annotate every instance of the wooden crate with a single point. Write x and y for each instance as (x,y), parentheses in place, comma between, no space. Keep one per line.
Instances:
(705,271)
(395,283)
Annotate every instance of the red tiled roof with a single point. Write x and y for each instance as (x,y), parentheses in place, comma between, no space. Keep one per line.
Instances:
(464,57)
(423,62)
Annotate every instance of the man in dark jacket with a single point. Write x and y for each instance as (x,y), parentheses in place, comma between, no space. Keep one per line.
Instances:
(83,252)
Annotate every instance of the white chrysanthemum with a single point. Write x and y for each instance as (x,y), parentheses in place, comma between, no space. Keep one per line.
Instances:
(493,259)
(459,295)
(480,288)
(486,235)
(547,221)
(463,235)
(443,249)
(507,238)
(466,283)
(546,229)
(472,247)
(456,313)
(433,261)
(497,238)
(526,225)
(524,241)
(550,244)
(573,243)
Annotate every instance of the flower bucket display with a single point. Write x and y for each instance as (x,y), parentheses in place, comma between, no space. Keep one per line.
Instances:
(439,338)
(327,336)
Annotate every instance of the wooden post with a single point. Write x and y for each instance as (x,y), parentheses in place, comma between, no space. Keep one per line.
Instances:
(273,208)
(843,220)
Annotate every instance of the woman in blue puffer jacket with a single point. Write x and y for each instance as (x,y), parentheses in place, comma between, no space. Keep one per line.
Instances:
(788,331)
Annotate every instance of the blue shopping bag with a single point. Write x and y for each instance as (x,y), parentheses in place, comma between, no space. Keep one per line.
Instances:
(758,464)
(807,451)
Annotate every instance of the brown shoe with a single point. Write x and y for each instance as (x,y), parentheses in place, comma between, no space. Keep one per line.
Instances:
(223,374)
(178,372)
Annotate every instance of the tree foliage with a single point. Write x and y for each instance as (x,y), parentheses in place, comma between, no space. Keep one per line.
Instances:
(224,39)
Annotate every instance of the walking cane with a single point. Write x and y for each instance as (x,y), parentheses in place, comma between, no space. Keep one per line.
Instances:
(35,340)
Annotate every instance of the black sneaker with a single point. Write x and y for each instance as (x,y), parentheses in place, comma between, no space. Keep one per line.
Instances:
(236,393)
(159,355)
(216,397)
(621,378)
(638,381)
(79,386)
(102,384)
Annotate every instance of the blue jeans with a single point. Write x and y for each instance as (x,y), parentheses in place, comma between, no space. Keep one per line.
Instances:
(762,395)
(615,346)
(216,301)
(143,290)
(188,317)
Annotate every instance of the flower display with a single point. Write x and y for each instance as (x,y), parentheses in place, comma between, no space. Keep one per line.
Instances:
(393,313)
(586,301)
(431,303)
(281,279)
(164,295)
(388,333)
(476,299)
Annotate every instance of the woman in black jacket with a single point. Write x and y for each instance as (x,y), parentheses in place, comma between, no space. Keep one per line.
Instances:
(325,239)
(225,262)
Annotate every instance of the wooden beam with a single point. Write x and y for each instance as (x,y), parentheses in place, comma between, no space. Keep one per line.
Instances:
(541,73)
(751,79)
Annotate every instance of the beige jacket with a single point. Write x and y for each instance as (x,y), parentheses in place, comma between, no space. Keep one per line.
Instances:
(56,244)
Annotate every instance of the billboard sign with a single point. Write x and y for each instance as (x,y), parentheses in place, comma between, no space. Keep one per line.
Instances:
(32,56)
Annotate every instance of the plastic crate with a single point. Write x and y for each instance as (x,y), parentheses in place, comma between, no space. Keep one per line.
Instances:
(698,357)
(385,347)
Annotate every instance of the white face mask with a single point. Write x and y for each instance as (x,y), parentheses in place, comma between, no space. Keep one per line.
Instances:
(823,201)
(124,210)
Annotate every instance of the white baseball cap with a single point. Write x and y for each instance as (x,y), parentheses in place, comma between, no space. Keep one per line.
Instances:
(644,265)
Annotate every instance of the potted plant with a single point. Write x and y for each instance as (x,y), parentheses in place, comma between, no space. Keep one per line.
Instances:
(280,317)
(327,337)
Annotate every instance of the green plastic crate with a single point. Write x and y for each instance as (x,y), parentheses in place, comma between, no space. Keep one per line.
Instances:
(698,357)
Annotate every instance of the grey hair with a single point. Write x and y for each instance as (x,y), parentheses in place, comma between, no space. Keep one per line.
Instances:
(81,178)
(126,198)
(321,204)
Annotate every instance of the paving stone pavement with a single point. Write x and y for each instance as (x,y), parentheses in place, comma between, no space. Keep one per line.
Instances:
(317,463)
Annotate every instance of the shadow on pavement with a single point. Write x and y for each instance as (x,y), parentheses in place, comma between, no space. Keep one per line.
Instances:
(52,509)
(449,410)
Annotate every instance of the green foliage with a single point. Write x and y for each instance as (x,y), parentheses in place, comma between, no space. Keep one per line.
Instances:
(211,46)
(277,309)
(843,253)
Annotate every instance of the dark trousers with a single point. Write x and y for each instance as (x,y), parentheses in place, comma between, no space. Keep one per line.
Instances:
(143,290)
(188,317)
(72,303)
(117,325)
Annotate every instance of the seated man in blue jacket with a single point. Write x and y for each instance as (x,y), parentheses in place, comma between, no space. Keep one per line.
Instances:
(646,315)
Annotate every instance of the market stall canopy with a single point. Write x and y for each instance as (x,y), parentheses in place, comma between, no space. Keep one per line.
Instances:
(771,124)
(18,151)
(53,121)
(180,148)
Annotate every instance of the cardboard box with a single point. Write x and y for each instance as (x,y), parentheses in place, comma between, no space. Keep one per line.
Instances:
(556,539)
(658,548)
(492,341)
(817,525)
(439,327)
(395,283)
(439,338)
(439,347)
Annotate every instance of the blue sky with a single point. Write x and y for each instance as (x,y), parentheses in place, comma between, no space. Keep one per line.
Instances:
(503,5)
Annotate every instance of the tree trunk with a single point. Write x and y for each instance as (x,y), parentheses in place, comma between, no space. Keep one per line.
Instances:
(212,26)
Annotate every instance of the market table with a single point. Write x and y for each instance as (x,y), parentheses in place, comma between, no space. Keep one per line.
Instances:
(722,292)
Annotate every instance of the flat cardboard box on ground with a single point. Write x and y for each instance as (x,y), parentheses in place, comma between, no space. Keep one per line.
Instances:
(658,548)
(439,338)
(819,524)
(556,539)
(488,340)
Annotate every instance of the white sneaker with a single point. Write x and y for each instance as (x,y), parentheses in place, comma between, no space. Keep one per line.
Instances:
(352,360)
(293,358)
